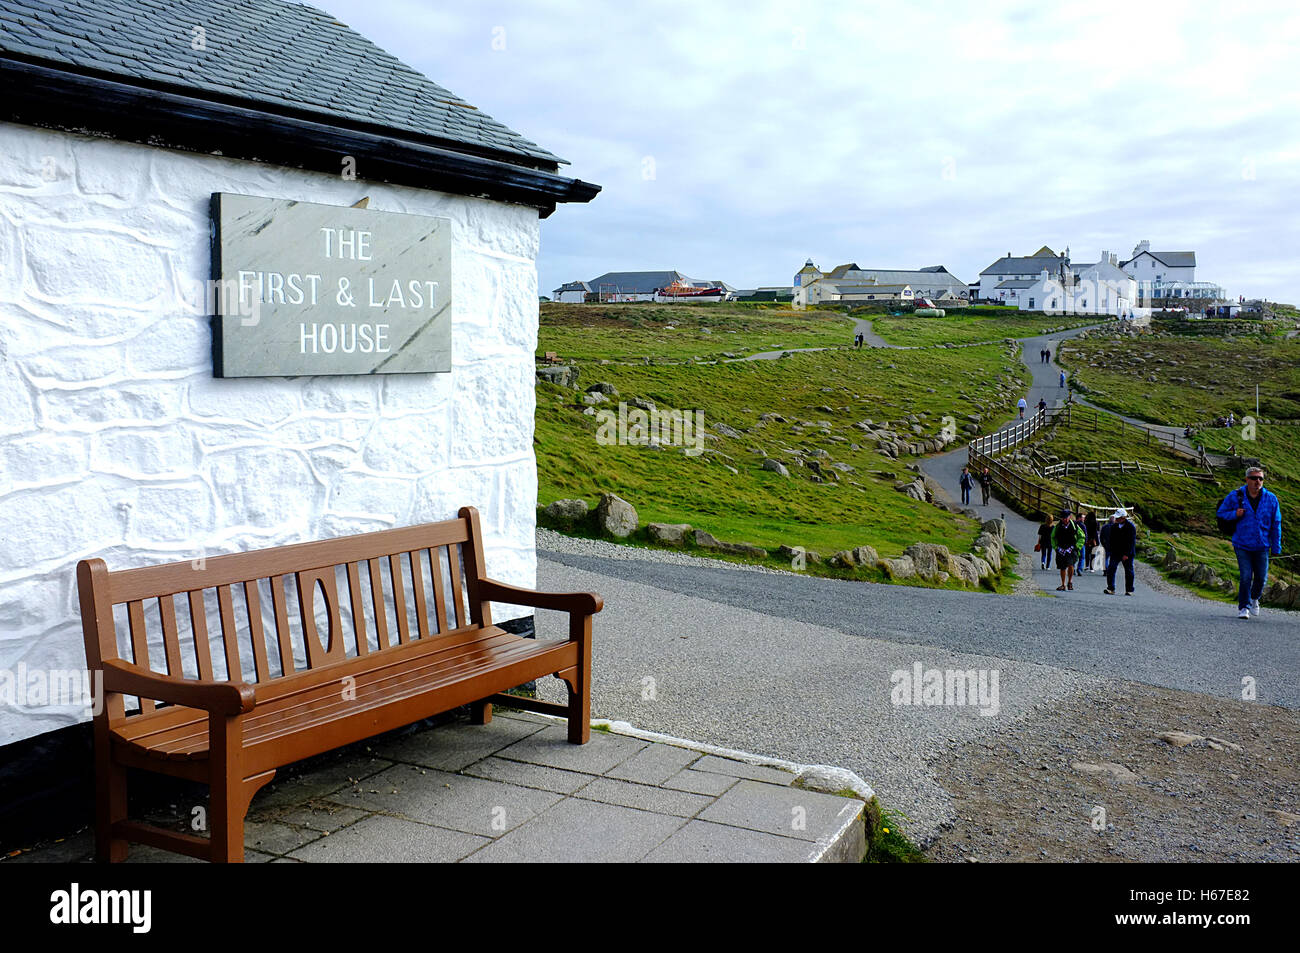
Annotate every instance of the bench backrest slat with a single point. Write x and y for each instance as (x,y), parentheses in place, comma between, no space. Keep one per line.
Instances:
(256,632)
(199,627)
(457,594)
(308,583)
(439,590)
(381,618)
(358,609)
(171,635)
(399,599)
(229,633)
(414,560)
(139,644)
(281,609)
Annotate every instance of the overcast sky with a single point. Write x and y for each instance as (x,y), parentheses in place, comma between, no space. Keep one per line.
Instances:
(735,140)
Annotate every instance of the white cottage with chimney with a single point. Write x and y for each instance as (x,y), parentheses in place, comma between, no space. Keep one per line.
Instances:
(122,435)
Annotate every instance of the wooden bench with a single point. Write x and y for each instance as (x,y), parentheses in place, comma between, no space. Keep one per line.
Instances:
(415,639)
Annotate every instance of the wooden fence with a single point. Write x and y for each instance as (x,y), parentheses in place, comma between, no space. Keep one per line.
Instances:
(1032,495)
(1069,467)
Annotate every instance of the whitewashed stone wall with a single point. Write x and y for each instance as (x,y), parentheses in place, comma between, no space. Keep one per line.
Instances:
(116,441)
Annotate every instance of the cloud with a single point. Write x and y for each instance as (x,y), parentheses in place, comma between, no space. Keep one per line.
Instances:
(893,135)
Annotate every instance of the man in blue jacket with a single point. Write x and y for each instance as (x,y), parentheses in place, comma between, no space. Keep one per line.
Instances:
(1258,532)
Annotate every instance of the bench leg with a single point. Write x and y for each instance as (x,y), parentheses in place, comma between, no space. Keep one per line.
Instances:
(110,807)
(580,683)
(480,713)
(227,799)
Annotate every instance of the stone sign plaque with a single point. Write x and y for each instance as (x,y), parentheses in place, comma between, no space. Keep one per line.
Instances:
(304,289)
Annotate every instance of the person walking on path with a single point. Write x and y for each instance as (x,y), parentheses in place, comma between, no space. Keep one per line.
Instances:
(1089,531)
(1042,404)
(967,483)
(1121,549)
(1022,405)
(1048,352)
(986,484)
(1045,540)
(1258,532)
(1066,539)
(1082,567)
(1062,384)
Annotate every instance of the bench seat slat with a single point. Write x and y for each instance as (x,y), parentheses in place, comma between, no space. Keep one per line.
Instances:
(283,697)
(295,715)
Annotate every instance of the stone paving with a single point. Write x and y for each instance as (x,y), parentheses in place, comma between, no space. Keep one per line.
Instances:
(516,790)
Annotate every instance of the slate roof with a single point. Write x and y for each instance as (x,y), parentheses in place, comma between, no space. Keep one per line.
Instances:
(1030,265)
(927,277)
(1105,270)
(573,286)
(1172,259)
(636,282)
(1017,284)
(266,54)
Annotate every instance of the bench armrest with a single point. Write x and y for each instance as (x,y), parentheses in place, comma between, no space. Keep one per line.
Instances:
(583,603)
(220,698)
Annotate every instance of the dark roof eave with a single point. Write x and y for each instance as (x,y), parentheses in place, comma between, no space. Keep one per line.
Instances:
(41,95)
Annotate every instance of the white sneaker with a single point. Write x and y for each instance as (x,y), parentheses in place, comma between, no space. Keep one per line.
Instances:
(1254,608)
(1243,614)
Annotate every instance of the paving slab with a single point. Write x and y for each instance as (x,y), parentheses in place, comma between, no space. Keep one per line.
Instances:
(787,812)
(324,817)
(740,769)
(393,839)
(645,797)
(272,837)
(454,801)
(550,747)
(700,782)
(654,764)
(456,746)
(578,831)
(529,775)
(701,842)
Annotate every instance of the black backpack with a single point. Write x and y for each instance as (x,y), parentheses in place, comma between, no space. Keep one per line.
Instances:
(1228,527)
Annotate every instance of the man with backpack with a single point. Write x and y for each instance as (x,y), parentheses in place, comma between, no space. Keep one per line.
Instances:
(1253,516)
(1121,550)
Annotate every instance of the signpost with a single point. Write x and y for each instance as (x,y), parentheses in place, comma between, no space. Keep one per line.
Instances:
(309,289)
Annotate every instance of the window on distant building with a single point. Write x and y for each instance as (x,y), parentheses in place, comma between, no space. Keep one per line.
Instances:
(1031,304)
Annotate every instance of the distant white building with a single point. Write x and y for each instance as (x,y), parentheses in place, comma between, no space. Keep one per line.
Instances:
(573,292)
(851,283)
(1164,275)
(1046,281)
(1006,280)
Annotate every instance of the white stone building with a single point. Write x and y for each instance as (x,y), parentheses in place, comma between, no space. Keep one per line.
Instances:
(116,439)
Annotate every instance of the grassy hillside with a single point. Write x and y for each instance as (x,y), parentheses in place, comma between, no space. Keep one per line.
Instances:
(983,324)
(820,396)
(635,332)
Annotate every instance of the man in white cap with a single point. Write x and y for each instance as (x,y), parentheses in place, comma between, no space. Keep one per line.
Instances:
(1121,550)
